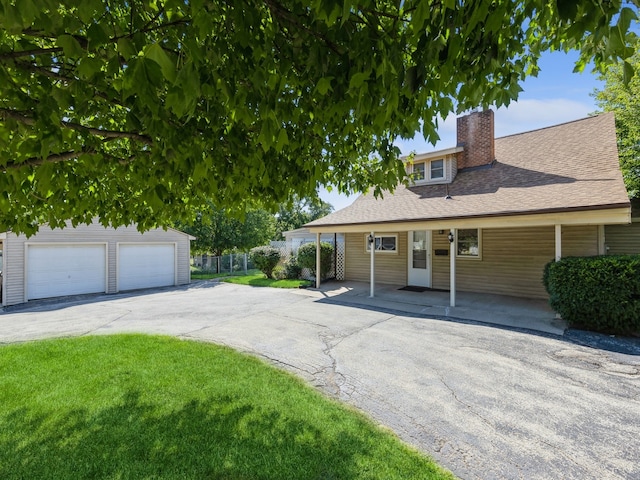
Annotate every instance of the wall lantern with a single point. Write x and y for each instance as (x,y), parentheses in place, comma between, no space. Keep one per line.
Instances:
(370,239)
(451,237)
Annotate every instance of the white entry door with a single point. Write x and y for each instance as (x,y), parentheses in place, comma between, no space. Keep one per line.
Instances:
(420,258)
(146,265)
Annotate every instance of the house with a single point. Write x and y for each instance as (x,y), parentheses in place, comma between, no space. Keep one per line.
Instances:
(299,236)
(91,259)
(489,213)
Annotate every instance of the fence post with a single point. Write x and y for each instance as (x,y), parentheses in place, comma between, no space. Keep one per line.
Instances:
(231,263)
(245,263)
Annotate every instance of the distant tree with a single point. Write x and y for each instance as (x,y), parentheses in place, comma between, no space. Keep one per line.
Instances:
(218,231)
(622,96)
(299,211)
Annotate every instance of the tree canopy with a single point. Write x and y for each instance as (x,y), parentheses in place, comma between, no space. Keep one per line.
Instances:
(297,212)
(623,98)
(217,231)
(144,110)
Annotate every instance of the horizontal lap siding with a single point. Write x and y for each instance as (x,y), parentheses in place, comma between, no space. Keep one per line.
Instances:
(13,270)
(622,239)
(513,260)
(94,233)
(389,267)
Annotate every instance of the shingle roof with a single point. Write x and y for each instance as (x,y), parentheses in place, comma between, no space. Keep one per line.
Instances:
(572,166)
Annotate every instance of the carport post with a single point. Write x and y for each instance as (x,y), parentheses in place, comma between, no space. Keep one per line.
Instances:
(558,242)
(372,248)
(318,260)
(452,273)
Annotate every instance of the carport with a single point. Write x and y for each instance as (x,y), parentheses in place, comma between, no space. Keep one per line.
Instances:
(91,259)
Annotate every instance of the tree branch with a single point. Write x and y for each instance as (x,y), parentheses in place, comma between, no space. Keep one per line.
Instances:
(28,53)
(37,161)
(26,119)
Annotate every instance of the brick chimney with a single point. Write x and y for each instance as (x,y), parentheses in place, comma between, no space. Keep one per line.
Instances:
(475,134)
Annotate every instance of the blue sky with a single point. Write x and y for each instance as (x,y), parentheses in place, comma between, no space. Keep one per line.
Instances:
(555,96)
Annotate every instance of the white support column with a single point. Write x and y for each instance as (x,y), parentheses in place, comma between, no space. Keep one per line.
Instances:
(558,242)
(372,248)
(452,268)
(318,260)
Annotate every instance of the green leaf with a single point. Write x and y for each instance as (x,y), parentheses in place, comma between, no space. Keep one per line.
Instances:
(324,85)
(357,80)
(96,36)
(158,55)
(283,139)
(70,46)
(126,48)
(628,73)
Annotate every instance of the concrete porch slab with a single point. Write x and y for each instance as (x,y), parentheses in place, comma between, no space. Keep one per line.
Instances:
(507,311)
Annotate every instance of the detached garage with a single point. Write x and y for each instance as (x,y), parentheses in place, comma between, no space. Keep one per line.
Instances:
(91,259)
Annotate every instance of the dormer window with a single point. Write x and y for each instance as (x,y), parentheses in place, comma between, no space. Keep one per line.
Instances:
(419,172)
(436,169)
(428,171)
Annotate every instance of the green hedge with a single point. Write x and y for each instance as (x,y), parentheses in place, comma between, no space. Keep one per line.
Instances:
(596,293)
(307,258)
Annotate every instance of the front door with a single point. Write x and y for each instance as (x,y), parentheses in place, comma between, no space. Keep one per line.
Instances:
(420,258)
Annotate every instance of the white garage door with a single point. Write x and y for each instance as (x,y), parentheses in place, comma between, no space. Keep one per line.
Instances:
(146,265)
(58,270)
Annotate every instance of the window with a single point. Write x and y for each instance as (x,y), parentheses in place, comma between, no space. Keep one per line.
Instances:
(419,172)
(437,169)
(384,243)
(428,170)
(468,243)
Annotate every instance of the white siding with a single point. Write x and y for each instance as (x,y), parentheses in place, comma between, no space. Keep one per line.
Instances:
(14,261)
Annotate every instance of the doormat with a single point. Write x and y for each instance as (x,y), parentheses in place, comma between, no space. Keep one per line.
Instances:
(411,288)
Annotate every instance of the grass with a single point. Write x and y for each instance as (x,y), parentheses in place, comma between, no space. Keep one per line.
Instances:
(134,406)
(260,280)
(197,274)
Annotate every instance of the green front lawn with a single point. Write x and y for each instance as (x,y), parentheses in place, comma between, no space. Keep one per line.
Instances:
(134,406)
(197,274)
(260,280)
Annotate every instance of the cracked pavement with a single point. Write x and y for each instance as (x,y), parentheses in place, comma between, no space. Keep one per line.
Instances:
(485,402)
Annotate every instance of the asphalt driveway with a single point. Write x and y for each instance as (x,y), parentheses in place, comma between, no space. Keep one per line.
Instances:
(485,402)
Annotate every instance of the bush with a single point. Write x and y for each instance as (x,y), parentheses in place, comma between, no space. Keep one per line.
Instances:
(307,258)
(279,273)
(265,259)
(292,270)
(596,293)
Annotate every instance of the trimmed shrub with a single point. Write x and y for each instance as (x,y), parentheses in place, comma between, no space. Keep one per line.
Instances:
(293,271)
(307,258)
(279,273)
(596,293)
(265,259)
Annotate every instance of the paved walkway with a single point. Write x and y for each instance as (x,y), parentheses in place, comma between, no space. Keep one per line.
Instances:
(486,402)
(521,313)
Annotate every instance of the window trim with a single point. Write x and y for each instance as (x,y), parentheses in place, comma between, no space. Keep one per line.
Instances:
(470,257)
(385,235)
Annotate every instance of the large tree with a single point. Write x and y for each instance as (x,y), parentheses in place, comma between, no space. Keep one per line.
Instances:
(623,98)
(144,110)
(217,231)
(298,211)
